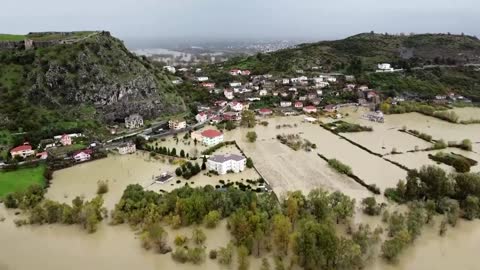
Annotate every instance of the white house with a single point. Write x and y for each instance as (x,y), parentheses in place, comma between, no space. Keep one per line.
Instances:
(292,89)
(201,117)
(235,84)
(177,124)
(285,81)
(319,92)
(384,67)
(127,148)
(211,137)
(285,104)
(331,79)
(225,163)
(170,69)
(263,92)
(23,151)
(322,84)
(82,155)
(228,93)
(202,79)
(236,106)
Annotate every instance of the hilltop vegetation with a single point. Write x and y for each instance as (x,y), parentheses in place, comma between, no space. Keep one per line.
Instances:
(371,49)
(79,86)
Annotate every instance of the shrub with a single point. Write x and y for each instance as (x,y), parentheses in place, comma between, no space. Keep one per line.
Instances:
(251,136)
(102,187)
(340,167)
(211,219)
(212,254)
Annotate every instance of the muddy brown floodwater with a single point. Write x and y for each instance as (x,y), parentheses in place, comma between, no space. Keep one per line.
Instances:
(52,247)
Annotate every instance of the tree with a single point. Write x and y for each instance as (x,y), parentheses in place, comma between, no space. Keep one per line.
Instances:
(178,171)
(393,247)
(349,255)
(251,136)
(211,219)
(265,264)
(396,223)
(198,236)
(370,206)
(248,119)
(243,263)
(416,218)
(225,254)
(182,153)
(249,163)
(281,233)
(471,207)
(204,163)
(155,237)
(343,206)
(173,152)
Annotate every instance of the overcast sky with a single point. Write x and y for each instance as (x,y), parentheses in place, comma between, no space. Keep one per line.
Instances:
(241,19)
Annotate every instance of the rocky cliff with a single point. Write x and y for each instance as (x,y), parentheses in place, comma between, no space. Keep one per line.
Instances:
(93,79)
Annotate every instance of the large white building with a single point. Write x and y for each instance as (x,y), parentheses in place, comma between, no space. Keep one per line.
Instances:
(225,163)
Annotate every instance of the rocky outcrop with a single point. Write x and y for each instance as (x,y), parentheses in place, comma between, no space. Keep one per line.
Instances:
(97,72)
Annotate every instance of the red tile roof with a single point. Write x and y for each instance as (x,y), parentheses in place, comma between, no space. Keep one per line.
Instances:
(210,133)
(265,110)
(21,148)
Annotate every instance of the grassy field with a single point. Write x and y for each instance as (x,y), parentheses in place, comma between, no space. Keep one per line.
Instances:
(20,179)
(8,37)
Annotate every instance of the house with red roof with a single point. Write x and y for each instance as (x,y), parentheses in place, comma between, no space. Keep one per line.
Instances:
(310,109)
(66,140)
(82,155)
(265,112)
(211,137)
(246,72)
(208,85)
(23,151)
(298,105)
(330,108)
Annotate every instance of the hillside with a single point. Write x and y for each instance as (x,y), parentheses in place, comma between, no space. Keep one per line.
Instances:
(56,82)
(371,49)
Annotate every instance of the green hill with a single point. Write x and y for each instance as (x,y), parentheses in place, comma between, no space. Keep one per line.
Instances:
(371,49)
(81,80)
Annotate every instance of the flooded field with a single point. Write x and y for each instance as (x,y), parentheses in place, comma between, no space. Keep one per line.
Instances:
(289,168)
(285,169)
(110,248)
(121,171)
(118,248)
(467,113)
(418,159)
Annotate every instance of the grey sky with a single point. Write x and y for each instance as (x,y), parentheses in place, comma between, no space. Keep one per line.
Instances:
(237,19)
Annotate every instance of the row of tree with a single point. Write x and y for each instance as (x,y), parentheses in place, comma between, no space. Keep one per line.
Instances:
(299,227)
